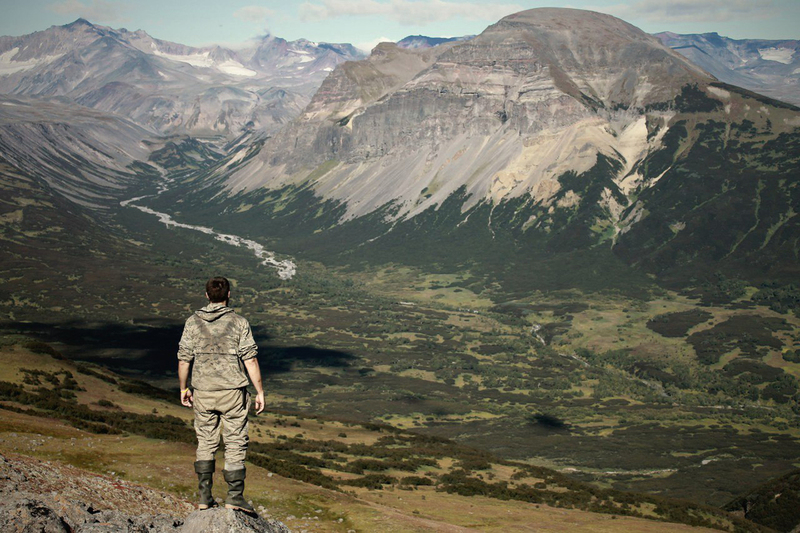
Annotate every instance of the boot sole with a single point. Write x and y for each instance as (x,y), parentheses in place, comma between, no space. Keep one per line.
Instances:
(242,509)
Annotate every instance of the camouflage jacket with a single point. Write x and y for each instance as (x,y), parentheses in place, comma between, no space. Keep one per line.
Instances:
(219,342)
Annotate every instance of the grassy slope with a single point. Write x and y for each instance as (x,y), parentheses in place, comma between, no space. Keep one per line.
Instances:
(335,349)
(409,349)
(167,466)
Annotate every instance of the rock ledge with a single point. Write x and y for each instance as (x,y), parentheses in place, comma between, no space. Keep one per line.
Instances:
(221,520)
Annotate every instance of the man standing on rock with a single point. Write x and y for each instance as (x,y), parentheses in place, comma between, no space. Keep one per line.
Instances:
(218,345)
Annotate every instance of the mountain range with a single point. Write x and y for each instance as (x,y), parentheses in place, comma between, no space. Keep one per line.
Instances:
(769,67)
(555,135)
(173,88)
(553,132)
(168,87)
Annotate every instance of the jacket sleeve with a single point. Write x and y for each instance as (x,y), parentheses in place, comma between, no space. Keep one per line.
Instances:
(247,345)
(187,343)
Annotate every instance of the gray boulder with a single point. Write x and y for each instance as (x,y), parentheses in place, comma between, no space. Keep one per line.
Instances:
(221,520)
(110,521)
(27,514)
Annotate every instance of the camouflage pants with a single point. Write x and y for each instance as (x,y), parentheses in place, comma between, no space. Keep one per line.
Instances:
(224,410)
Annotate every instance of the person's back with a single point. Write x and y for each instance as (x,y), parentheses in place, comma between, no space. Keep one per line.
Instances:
(218,346)
(221,342)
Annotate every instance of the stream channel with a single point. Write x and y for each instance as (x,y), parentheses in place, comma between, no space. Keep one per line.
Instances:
(286,268)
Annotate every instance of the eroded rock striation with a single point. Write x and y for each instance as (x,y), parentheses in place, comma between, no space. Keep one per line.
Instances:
(537,94)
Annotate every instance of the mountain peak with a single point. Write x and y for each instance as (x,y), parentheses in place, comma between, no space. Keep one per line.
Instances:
(591,56)
(577,22)
(78,23)
(548,15)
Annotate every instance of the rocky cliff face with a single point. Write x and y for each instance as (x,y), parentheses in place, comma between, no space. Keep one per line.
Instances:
(537,94)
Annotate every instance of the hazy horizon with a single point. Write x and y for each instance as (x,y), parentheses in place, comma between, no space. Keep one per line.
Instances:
(364,23)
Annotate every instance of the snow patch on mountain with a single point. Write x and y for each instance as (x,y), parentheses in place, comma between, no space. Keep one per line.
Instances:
(9,66)
(781,55)
(236,69)
(196,60)
(305,57)
(204,60)
(166,86)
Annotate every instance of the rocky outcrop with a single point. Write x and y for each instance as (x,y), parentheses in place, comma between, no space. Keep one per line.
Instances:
(31,515)
(44,515)
(28,513)
(221,520)
(50,497)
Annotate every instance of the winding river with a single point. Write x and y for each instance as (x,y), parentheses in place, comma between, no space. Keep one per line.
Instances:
(286,268)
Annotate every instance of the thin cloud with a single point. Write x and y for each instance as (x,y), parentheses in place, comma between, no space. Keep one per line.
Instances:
(692,10)
(367,46)
(253,13)
(406,12)
(94,10)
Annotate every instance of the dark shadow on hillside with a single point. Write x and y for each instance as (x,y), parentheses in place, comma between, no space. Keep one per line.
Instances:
(143,346)
(547,422)
(150,346)
(276,360)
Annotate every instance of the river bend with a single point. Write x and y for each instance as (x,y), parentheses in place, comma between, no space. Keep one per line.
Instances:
(286,268)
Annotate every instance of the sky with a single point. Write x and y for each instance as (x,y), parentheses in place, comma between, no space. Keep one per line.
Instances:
(364,23)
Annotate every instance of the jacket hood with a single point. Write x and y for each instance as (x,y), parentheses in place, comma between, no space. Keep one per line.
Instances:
(211,312)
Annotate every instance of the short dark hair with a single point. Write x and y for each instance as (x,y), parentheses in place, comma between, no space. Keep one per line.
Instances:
(217,289)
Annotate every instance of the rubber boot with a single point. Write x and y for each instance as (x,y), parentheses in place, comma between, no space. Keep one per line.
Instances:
(235,500)
(205,479)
